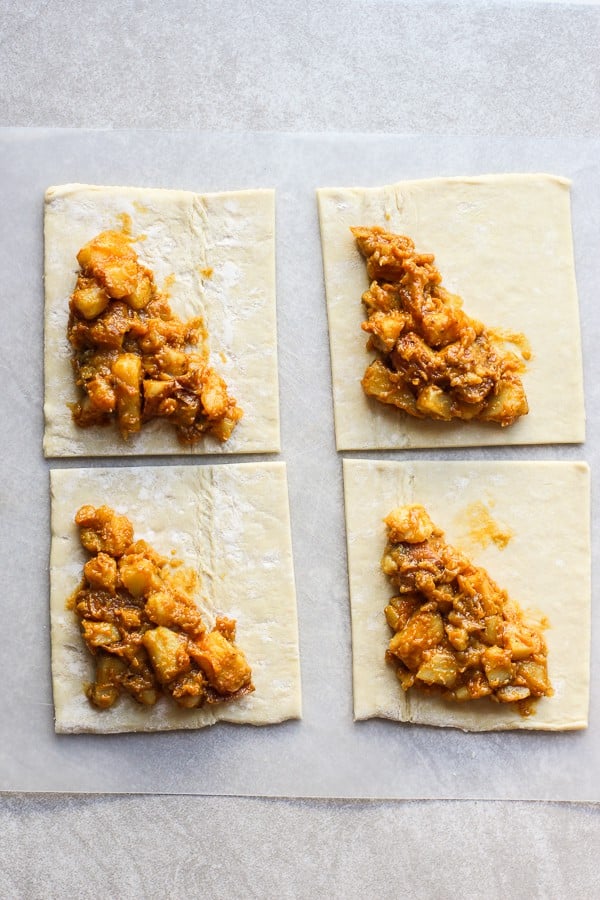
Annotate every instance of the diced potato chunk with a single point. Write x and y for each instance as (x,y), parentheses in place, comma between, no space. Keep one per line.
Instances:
(101,572)
(435,403)
(128,368)
(130,618)
(379,382)
(379,300)
(226,626)
(507,405)
(423,632)
(189,690)
(535,675)
(110,259)
(512,693)
(103,530)
(164,609)
(214,395)
(443,323)
(127,372)
(106,689)
(224,664)
(409,523)
(497,666)
(223,428)
(108,330)
(143,548)
(99,634)
(386,328)
(477,686)
(156,389)
(161,608)
(493,629)
(520,642)
(101,394)
(89,299)
(174,362)
(403,608)
(439,668)
(147,697)
(458,637)
(467,411)
(168,653)
(137,575)
(393,618)
(141,296)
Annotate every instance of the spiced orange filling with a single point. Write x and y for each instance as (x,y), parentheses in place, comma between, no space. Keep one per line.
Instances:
(434,360)
(133,359)
(140,621)
(455,631)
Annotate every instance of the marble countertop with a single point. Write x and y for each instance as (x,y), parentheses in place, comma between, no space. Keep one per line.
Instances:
(477,68)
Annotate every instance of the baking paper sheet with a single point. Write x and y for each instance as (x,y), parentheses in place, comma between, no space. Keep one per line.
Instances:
(325,754)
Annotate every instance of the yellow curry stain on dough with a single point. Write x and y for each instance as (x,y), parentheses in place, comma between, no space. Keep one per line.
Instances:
(537,618)
(520,340)
(207,272)
(126,223)
(482,528)
(169,282)
(127,227)
(139,207)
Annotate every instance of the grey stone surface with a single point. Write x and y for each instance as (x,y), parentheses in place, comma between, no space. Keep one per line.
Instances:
(353,65)
(155,847)
(481,68)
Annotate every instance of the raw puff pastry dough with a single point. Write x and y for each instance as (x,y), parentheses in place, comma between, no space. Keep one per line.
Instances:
(230,233)
(503,243)
(231,523)
(546,566)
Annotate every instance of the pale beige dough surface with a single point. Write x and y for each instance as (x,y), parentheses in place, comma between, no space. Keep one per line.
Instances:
(231,524)
(181,233)
(503,243)
(545,566)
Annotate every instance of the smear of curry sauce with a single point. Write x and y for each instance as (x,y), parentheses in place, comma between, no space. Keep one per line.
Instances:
(517,338)
(481,527)
(127,227)
(168,284)
(126,223)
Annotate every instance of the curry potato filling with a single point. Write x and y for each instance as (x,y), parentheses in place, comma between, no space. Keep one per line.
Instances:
(434,360)
(140,622)
(133,358)
(455,631)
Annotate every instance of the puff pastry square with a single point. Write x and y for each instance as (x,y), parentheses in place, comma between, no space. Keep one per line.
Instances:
(545,566)
(501,242)
(216,252)
(231,524)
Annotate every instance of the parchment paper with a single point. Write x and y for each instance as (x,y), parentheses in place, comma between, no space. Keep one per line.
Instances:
(325,754)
